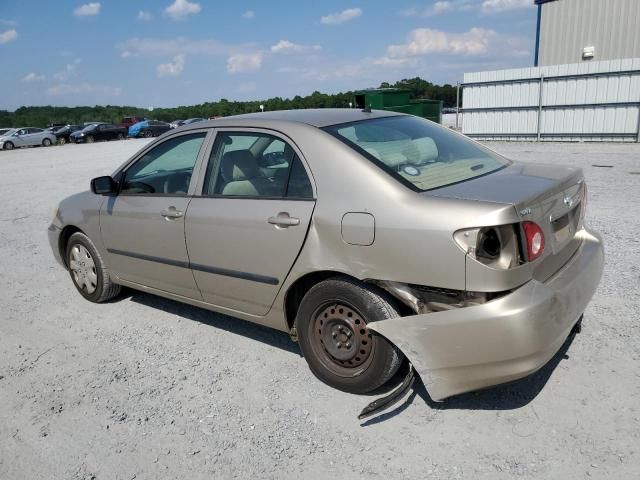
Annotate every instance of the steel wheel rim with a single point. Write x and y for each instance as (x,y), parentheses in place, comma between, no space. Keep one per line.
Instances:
(340,339)
(83,269)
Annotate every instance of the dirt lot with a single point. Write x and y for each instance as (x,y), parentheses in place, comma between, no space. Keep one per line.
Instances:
(148,388)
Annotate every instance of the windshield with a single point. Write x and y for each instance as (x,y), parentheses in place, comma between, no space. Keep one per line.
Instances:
(419,153)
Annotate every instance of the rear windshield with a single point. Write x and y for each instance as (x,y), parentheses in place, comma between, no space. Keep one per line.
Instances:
(419,153)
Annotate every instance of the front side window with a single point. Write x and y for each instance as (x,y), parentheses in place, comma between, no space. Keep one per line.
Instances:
(165,169)
(420,154)
(255,165)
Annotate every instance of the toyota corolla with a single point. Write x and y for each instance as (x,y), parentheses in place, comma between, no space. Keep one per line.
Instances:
(372,238)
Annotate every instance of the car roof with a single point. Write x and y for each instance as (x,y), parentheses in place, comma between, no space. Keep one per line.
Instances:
(316,117)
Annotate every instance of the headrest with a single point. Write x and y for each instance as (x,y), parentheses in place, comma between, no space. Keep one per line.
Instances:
(238,165)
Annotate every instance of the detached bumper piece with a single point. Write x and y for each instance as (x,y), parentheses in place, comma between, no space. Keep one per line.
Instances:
(475,347)
(394,397)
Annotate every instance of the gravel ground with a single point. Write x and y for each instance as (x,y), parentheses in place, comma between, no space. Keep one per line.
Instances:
(148,388)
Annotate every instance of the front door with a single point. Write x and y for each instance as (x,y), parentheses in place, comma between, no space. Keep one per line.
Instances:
(246,230)
(143,226)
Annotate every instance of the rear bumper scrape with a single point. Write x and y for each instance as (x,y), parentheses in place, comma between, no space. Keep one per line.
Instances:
(467,349)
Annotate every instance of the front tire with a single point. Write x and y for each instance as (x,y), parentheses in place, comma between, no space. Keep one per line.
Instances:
(120,136)
(148,134)
(8,146)
(340,350)
(62,141)
(90,139)
(88,271)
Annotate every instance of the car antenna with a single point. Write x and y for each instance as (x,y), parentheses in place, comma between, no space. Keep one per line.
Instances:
(367,109)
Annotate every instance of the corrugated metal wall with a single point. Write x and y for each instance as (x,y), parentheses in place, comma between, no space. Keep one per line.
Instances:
(598,101)
(567,26)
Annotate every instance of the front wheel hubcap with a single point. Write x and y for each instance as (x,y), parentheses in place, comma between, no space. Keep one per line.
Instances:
(83,269)
(343,336)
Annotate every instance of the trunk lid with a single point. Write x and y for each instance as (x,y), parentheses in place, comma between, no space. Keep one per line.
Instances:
(548,195)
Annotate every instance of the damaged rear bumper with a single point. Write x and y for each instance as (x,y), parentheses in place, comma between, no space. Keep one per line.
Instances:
(467,349)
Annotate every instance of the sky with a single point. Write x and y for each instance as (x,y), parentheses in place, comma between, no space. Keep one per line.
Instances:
(165,53)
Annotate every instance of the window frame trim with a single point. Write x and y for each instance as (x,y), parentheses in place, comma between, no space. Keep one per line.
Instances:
(119,175)
(200,187)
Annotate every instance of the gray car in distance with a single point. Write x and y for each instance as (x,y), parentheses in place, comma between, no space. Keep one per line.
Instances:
(26,137)
(374,239)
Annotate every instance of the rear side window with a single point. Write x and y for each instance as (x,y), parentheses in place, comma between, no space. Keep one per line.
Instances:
(255,165)
(165,169)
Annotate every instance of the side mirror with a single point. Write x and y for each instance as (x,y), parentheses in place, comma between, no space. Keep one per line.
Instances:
(104,186)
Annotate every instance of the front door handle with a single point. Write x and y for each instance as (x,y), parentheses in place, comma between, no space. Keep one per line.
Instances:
(171,213)
(283,220)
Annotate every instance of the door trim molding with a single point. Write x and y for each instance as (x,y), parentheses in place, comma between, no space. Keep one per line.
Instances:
(253,277)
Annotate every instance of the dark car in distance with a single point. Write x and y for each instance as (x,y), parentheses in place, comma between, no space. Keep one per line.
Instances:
(98,131)
(148,129)
(63,134)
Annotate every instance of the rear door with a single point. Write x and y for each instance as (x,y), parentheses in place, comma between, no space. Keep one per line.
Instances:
(143,226)
(245,230)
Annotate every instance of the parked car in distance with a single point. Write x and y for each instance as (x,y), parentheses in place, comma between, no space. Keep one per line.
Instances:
(26,137)
(63,134)
(368,236)
(148,129)
(3,131)
(176,123)
(129,121)
(189,121)
(98,131)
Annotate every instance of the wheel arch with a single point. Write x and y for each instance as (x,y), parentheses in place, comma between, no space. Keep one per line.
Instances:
(63,240)
(298,289)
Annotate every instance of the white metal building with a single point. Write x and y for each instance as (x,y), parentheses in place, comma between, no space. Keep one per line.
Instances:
(573,31)
(586,87)
(595,101)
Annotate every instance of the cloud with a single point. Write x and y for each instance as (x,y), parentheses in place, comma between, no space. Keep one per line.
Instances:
(87,10)
(84,88)
(181,9)
(435,9)
(8,36)
(502,5)
(171,69)
(68,72)
(424,41)
(244,62)
(285,46)
(249,14)
(134,47)
(144,16)
(33,77)
(341,17)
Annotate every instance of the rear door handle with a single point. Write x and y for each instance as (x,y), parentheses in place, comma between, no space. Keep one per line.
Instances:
(283,220)
(171,212)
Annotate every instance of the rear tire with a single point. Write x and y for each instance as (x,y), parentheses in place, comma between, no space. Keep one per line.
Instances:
(88,271)
(148,134)
(340,350)
(46,142)
(9,146)
(120,136)
(62,141)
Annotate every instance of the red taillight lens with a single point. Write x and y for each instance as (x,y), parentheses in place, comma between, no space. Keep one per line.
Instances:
(535,240)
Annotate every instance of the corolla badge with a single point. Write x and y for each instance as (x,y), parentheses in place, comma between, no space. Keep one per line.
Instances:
(568,201)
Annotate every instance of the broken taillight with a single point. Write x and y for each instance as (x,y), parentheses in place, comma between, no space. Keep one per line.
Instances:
(534,240)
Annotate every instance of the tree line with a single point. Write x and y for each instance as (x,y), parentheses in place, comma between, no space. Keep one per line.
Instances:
(43,116)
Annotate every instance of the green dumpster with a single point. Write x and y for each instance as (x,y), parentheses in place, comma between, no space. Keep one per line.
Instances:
(398,100)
